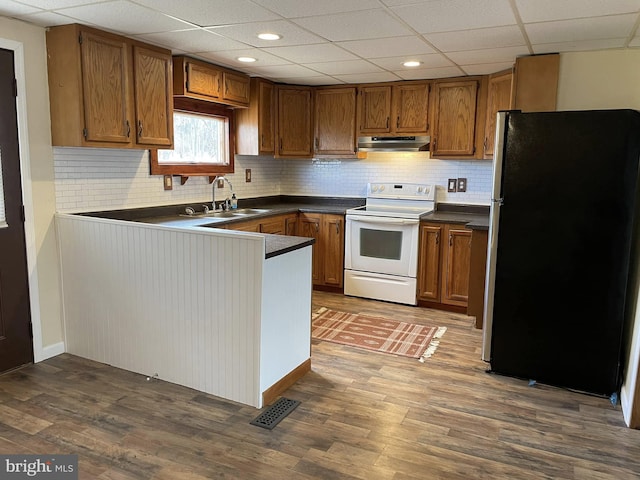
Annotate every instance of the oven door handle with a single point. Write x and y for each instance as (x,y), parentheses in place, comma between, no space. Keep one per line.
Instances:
(384,220)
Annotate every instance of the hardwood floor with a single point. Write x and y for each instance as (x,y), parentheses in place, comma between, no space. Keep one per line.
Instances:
(363,416)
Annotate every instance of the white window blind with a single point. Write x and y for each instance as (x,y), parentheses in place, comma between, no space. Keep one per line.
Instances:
(3,219)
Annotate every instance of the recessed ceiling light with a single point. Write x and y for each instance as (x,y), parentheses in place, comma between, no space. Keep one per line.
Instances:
(269,36)
(246,59)
(412,63)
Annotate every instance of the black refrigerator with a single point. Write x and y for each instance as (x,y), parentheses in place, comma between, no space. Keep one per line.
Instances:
(561,235)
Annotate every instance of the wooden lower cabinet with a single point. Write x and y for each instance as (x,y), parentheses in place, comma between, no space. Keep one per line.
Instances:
(276,225)
(328,250)
(444,264)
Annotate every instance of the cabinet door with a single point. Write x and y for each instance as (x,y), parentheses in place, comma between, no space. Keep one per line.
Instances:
(153,72)
(456,270)
(266,117)
(248,226)
(235,88)
(498,98)
(333,246)
(274,226)
(309,226)
(335,121)
(429,263)
(294,122)
(454,123)
(105,88)
(203,81)
(411,108)
(374,109)
(291,225)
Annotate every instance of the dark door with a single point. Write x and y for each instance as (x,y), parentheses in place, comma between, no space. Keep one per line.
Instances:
(15,317)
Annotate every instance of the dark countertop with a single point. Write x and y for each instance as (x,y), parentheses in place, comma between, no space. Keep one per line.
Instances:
(474,217)
(173,216)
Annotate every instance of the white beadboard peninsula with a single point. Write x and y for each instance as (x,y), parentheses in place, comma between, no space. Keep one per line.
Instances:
(199,307)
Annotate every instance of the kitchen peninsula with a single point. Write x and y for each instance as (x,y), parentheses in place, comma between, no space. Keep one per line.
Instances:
(200,307)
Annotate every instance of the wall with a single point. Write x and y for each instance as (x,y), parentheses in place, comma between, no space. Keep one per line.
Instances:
(39,193)
(604,80)
(108,179)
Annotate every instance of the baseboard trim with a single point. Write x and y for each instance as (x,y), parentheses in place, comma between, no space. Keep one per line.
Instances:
(51,351)
(271,394)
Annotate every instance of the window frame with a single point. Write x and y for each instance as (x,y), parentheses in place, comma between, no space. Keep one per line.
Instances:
(187,105)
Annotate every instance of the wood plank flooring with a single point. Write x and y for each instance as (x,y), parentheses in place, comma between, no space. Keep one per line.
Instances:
(363,415)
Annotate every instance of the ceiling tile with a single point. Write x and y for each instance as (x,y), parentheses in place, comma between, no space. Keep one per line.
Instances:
(344,67)
(450,15)
(46,19)
(307,8)
(55,4)
(282,71)
(580,45)
(486,68)
(124,17)
(419,74)
(435,60)
(206,13)
(387,47)
(494,55)
(248,33)
(195,40)
(615,26)
(322,52)
(635,42)
(355,25)
(549,10)
(231,58)
(368,77)
(477,39)
(13,9)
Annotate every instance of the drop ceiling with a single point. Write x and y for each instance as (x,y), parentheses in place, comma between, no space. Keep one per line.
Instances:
(325,42)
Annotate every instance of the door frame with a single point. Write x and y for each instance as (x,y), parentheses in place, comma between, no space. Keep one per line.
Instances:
(27,200)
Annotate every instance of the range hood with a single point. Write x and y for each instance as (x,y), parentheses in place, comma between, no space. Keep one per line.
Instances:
(393,144)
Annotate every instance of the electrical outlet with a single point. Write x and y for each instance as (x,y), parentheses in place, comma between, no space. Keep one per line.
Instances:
(220,183)
(453,185)
(168,182)
(462,184)
(247,175)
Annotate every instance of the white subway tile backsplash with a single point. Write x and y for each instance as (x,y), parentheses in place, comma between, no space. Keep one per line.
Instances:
(96,179)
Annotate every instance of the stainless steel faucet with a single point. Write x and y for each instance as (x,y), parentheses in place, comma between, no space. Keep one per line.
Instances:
(213,190)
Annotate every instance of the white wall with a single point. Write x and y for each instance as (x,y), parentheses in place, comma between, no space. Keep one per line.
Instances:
(605,80)
(39,191)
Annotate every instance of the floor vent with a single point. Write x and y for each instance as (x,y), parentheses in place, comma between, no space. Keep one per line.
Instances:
(276,412)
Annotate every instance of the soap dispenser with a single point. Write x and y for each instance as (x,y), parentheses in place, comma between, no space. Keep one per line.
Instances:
(234,201)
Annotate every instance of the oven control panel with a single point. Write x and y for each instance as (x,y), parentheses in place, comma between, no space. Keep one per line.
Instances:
(408,191)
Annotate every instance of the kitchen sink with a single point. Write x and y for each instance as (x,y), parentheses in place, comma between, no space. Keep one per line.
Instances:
(249,211)
(242,212)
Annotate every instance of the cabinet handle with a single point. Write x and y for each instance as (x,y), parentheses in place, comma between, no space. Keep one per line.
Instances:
(485,144)
(139,128)
(398,122)
(317,227)
(128,129)
(262,139)
(219,84)
(317,143)
(337,228)
(450,239)
(437,238)
(387,122)
(280,143)
(435,145)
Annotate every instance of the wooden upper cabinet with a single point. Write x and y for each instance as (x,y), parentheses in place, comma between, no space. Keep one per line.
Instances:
(335,121)
(374,109)
(106,88)
(153,97)
(295,123)
(205,81)
(410,108)
(536,83)
(455,119)
(255,126)
(498,98)
(400,108)
(102,85)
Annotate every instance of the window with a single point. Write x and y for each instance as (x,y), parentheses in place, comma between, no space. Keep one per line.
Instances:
(203,141)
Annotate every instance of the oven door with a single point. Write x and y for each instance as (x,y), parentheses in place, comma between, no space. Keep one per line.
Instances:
(382,245)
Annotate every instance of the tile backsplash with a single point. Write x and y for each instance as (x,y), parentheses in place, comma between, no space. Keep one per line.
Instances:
(89,179)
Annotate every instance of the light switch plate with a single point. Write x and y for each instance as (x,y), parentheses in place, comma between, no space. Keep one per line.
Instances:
(452,185)
(462,184)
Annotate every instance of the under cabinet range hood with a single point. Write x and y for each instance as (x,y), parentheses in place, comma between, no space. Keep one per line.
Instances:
(393,144)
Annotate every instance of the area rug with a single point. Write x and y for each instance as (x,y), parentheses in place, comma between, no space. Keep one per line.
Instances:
(378,334)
